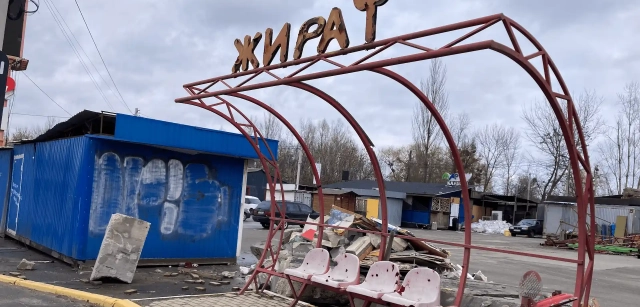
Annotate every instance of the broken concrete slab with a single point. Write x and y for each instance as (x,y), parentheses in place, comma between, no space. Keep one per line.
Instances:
(335,252)
(360,247)
(331,239)
(399,245)
(121,248)
(286,236)
(26,265)
(375,240)
(300,249)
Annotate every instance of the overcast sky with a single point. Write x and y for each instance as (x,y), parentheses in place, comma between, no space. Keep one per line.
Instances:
(153,47)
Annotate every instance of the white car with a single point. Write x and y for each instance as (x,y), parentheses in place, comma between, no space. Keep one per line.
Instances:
(250,202)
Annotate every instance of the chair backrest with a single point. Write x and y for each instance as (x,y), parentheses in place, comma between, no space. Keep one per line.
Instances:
(347,269)
(316,261)
(383,276)
(421,285)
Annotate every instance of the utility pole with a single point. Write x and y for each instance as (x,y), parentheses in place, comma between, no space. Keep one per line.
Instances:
(12,44)
(4,9)
(528,190)
(298,171)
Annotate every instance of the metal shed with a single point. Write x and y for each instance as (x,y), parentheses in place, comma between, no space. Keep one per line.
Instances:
(562,216)
(187,182)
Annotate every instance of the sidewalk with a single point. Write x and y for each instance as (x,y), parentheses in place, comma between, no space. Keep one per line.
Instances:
(149,282)
(250,298)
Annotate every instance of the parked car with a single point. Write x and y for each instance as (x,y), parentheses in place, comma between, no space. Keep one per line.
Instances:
(250,203)
(294,211)
(529,227)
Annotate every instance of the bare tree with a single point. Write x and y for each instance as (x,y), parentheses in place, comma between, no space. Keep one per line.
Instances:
(619,151)
(496,142)
(511,157)
(426,132)
(545,135)
(32,132)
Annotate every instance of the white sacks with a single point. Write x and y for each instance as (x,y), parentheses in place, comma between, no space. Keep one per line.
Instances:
(490,227)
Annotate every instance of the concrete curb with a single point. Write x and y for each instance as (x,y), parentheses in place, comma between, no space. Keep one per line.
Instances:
(100,300)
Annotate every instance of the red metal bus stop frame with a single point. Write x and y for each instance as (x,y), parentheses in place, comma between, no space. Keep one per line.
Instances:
(569,124)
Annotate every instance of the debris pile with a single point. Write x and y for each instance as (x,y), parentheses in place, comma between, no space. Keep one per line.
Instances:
(490,227)
(629,245)
(407,252)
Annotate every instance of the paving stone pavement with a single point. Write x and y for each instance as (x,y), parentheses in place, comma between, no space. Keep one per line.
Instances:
(222,300)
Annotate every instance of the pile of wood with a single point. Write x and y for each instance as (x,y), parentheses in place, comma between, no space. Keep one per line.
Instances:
(630,193)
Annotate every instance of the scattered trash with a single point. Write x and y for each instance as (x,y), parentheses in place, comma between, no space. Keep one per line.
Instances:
(26,265)
(480,276)
(224,282)
(96,282)
(185,288)
(213,283)
(43,261)
(247,270)
(168,274)
(131,291)
(228,274)
(201,289)
(15,273)
(22,277)
(187,265)
(86,281)
(158,271)
(235,288)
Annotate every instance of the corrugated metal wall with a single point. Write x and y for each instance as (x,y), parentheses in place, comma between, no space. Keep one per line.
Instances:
(192,201)
(394,211)
(44,203)
(6,155)
(605,214)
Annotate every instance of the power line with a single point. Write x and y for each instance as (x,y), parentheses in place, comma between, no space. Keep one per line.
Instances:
(82,49)
(25,74)
(101,58)
(38,115)
(49,5)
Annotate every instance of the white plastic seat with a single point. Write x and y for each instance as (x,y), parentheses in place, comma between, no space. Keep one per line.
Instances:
(421,288)
(345,273)
(316,262)
(383,278)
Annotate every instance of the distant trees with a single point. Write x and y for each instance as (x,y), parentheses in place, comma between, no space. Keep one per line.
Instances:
(532,162)
(620,155)
(31,132)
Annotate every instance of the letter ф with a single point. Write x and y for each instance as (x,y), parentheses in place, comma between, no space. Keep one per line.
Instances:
(246,53)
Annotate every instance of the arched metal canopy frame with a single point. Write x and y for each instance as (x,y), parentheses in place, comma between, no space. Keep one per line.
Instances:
(570,125)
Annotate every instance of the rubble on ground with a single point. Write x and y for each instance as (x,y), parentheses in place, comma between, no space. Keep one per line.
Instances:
(490,227)
(407,252)
(629,245)
(26,265)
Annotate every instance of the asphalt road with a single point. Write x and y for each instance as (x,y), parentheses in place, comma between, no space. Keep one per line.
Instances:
(616,278)
(13,296)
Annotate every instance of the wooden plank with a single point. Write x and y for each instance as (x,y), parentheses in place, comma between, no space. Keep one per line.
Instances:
(621,226)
